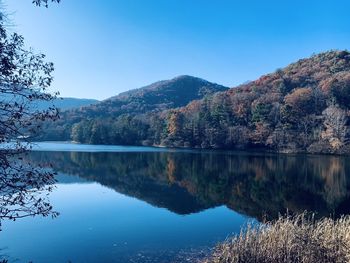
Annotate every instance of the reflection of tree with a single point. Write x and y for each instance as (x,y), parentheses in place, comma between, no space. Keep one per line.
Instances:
(23,191)
(171,169)
(253,184)
(4,257)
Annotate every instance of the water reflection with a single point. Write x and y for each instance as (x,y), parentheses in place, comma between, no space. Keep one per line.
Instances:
(257,185)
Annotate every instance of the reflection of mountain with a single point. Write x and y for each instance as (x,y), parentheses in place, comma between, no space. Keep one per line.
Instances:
(185,182)
(138,175)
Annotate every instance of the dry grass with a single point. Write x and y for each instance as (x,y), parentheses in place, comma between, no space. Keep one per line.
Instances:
(289,239)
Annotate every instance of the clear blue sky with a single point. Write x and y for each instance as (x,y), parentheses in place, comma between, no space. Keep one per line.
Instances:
(101,48)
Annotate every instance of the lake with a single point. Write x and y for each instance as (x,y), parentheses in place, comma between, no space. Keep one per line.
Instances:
(144,204)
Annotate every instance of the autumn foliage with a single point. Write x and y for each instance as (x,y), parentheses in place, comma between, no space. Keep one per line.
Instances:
(289,111)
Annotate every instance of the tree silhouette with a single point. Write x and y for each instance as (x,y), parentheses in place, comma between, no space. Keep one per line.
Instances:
(24,79)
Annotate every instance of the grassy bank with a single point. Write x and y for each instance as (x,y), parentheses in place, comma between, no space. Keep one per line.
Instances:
(288,240)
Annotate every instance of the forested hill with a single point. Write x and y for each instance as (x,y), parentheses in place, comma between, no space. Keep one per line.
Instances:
(303,107)
(127,111)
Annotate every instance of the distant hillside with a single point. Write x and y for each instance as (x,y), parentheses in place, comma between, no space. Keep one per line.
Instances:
(128,109)
(61,103)
(66,103)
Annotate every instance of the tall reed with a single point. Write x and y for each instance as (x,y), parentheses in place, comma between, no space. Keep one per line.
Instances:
(288,240)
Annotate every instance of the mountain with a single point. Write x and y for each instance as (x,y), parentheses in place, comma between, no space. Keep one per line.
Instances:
(129,108)
(159,96)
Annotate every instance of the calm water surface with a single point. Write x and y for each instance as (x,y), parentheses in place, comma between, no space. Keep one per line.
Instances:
(143,204)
